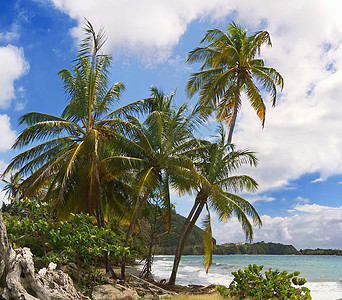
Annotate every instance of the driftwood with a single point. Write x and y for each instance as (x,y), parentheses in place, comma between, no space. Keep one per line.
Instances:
(153,286)
(18,279)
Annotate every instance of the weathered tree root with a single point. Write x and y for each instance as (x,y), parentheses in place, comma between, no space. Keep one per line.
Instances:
(18,279)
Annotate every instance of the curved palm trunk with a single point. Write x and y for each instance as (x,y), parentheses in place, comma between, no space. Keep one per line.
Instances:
(190,222)
(235,111)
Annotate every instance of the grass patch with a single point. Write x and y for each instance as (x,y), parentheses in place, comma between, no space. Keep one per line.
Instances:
(183,296)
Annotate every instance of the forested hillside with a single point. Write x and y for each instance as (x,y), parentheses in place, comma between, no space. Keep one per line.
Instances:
(166,243)
(255,248)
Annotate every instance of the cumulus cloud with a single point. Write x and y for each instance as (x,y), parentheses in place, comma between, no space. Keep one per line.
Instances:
(7,135)
(308,226)
(12,66)
(146,27)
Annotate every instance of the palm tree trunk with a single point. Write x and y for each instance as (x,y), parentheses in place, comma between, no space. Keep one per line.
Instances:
(147,270)
(200,201)
(128,235)
(99,211)
(235,111)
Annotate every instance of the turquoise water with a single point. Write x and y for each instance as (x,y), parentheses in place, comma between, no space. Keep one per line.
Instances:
(323,273)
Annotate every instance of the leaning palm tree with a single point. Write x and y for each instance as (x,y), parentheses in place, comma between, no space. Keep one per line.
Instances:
(229,68)
(69,149)
(217,189)
(155,153)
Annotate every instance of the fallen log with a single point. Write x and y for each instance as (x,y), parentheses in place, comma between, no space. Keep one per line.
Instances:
(152,285)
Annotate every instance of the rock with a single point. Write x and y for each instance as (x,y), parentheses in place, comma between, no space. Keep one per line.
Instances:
(20,281)
(52,266)
(71,269)
(109,292)
(42,272)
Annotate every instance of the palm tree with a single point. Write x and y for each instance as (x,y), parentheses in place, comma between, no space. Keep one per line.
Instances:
(230,67)
(217,189)
(68,157)
(12,185)
(155,152)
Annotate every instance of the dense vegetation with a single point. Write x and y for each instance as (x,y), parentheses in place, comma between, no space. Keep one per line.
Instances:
(166,243)
(77,241)
(250,283)
(319,251)
(256,248)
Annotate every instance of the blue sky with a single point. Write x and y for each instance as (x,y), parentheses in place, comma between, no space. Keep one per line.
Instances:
(299,150)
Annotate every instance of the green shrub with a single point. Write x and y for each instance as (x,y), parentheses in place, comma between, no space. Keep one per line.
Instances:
(252,284)
(31,223)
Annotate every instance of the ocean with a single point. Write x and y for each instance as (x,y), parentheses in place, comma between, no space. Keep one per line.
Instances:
(323,273)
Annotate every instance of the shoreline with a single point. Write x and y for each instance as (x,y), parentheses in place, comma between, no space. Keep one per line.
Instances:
(322,272)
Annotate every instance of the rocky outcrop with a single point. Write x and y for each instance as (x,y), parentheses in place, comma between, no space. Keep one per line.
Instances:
(18,279)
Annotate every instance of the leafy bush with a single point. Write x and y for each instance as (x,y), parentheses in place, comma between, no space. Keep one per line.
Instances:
(30,223)
(252,284)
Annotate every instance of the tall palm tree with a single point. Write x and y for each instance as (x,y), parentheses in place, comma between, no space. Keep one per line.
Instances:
(229,68)
(155,153)
(217,189)
(71,147)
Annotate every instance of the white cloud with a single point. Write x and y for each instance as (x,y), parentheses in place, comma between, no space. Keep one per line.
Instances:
(310,226)
(11,35)
(7,135)
(253,199)
(149,27)
(318,180)
(302,199)
(12,66)
(3,196)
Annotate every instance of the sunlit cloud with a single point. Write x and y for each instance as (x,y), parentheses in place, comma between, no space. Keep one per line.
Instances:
(7,134)
(12,66)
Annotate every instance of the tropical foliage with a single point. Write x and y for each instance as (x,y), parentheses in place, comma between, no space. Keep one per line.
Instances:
(32,223)
(252,284)
(229,68)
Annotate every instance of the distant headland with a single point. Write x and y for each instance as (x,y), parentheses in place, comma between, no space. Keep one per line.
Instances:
(166,244)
